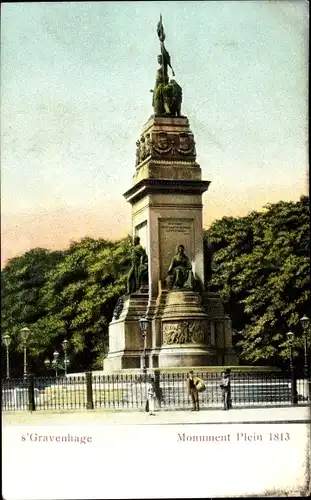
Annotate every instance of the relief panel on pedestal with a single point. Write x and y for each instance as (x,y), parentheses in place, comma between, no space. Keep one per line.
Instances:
(186,332)
(162,145)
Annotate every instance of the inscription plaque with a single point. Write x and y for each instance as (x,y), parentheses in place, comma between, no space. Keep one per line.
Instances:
(174,232)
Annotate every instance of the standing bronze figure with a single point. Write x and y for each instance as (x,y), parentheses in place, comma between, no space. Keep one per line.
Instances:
(167,95)
(138,274)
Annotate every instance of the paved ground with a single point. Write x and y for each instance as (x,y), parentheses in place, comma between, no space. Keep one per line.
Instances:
(98,417)
(258,467)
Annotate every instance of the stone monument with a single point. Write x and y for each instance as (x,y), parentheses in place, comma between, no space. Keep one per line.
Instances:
(186,323)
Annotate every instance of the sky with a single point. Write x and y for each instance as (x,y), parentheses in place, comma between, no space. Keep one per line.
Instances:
(75,85)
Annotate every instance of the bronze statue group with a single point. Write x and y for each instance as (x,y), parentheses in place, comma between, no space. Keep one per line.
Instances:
(167,94)
(179,274)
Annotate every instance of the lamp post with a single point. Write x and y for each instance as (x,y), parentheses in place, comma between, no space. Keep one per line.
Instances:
(47,363)
(65,347)
(7,341)
(56,364)
(53,365)
(25,332)
(294,398)
(143,325)
(305,323)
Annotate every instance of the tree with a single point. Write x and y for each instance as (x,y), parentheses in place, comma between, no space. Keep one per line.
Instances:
(79,297)
(57,294)
(262,268)
(22,280)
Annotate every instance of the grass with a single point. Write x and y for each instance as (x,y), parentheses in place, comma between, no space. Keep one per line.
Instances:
(73,396)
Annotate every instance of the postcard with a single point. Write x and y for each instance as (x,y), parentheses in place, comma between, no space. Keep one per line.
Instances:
(155,259)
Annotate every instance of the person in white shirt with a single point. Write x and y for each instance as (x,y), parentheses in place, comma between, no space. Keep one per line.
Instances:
(151,396)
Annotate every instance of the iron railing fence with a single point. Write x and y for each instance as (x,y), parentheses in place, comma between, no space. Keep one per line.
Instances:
(129,391)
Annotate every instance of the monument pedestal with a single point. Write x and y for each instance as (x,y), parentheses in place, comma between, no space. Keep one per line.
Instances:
(125,339)
(185,331)
(186,328)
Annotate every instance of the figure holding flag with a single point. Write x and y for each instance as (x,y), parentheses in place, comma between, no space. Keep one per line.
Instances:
(166,60)
(167,95)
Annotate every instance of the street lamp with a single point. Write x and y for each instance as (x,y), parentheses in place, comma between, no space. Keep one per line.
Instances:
(143,325)
(66,361)
(294,397)
(56,364)
(53,365)
(7,341)
(47,363)
(305,323)
(25,332)
(55,361)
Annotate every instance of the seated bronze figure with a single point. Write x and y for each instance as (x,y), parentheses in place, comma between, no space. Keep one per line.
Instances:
(180,275)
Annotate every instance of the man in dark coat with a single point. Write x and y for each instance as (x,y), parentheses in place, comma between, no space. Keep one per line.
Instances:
(226,389)
(193,391)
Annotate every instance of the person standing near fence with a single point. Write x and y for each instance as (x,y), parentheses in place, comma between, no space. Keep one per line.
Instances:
(192,383)
(151,395)
(226,389)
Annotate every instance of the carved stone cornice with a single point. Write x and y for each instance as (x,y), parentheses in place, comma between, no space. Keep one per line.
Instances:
(166,138)
(149,186)
(172,162)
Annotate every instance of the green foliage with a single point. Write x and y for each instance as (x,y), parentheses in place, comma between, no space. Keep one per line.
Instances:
(56,293)
(22,280)
(261,265)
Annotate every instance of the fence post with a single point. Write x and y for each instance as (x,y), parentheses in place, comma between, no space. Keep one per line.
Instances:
(294,393)
(31,393)
(89,391)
